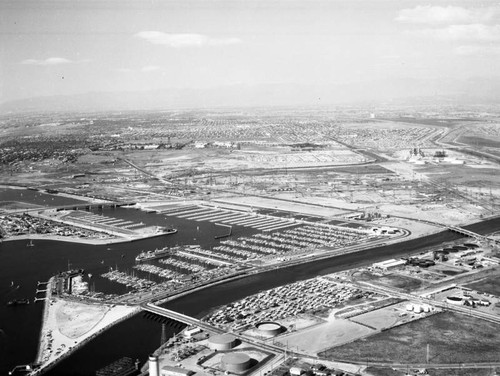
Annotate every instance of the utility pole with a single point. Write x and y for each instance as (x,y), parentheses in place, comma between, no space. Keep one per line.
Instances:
(163,334)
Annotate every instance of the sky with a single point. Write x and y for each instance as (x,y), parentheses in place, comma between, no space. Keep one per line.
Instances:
(63,47)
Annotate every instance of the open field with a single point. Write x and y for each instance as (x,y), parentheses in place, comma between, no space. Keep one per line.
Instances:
(382,371)
(452,337)
(487,285)
(385,371)
(396,280)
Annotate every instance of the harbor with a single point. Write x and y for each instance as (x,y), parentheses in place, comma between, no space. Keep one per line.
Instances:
(189,258)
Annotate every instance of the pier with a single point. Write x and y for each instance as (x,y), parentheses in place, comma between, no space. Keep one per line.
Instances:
(226,235)
(21,368)
(42,288)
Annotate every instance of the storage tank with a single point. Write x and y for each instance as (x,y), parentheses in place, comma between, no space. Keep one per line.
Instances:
(154,366)
(269,328)
(222,342)
(456,300)
(235,362)
(417,308)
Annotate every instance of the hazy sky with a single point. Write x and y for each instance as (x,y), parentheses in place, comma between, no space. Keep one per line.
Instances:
(58,47)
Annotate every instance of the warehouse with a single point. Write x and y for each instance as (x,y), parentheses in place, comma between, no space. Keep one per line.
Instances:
(389,264)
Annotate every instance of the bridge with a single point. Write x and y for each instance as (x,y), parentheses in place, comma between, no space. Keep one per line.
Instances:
(79,206)
(179,317)
(469,234)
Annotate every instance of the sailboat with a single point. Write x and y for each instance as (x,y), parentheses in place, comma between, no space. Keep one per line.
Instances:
(30,244)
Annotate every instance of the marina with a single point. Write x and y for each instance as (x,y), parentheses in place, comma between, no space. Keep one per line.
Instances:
(226,216)
(196,254)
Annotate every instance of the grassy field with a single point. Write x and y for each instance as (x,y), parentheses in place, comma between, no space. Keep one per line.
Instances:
(488,285)
(452,337)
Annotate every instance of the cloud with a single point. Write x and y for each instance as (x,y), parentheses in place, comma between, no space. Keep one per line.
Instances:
(150,68)
(124,70)
(474,32)
(184,40)
(427,14)
(52,61)
(471,50)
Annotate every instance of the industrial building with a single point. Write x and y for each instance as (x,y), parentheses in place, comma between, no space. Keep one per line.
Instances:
(389,264)
(175,371)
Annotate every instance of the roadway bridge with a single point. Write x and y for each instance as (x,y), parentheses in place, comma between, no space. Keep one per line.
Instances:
(180,317)
(80,206)
(177,317)
(101,205)
(470,234)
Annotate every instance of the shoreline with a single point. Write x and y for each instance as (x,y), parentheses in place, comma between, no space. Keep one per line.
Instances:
(244,274)
(51,330)
(75,240)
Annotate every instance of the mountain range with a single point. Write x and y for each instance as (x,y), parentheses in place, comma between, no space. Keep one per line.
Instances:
(404,91)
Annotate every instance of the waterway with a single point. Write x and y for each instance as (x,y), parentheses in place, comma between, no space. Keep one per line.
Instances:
(21,267)
(142,336)
(137,337)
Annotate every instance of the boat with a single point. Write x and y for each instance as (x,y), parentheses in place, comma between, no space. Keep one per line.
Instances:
(73,272)
(30,244)
(16,302)
(151,255)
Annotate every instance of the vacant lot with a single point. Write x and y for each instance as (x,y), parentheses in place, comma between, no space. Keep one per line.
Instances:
(452,337)
(392,280)
(488,285)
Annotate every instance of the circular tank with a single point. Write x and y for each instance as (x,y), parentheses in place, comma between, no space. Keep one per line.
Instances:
(222,342)
(235,362)
(456,300)
(269,328)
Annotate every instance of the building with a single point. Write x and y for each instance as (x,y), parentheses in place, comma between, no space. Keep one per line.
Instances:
(175,371)
(189,333)
(389,264)
(296,371)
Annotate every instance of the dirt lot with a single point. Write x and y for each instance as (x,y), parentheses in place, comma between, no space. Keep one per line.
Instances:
(452,338)
(334,332)
(76,319)
(391,279)
(384,371)
(384,317)
(487,285)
